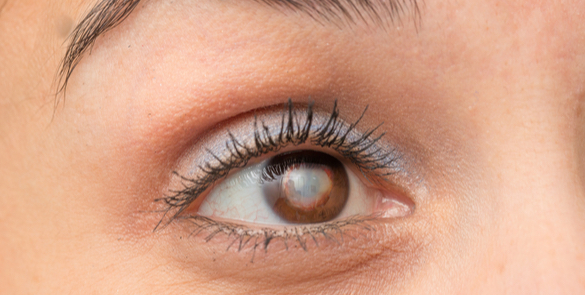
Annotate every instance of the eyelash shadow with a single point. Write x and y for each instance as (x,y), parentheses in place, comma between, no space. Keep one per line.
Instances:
(334,133)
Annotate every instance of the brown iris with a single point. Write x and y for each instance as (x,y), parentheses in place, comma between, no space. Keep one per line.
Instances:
(305,186)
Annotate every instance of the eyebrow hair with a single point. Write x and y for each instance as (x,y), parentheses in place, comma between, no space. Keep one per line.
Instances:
(101,18)
(107,14)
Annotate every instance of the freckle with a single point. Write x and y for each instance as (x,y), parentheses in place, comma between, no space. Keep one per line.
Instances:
(64,24)
(501,267)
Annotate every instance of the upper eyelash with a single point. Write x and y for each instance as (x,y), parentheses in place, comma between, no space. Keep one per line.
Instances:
(362,152)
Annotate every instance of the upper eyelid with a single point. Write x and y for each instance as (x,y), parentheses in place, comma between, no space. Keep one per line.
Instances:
(359,147)
(327,129)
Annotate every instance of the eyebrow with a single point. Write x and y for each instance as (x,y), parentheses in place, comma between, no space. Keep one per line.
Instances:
(107,14)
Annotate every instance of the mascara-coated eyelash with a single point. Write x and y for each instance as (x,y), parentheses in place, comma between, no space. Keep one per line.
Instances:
(362,151)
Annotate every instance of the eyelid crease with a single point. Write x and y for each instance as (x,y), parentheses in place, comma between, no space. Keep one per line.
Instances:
(360,148)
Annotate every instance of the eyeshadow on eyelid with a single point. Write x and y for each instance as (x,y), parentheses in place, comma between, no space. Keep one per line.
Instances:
(214,143)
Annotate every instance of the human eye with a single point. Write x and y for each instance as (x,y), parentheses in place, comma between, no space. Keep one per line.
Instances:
(294,175)
(297,187)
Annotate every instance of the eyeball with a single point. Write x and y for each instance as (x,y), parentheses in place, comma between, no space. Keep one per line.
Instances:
(305,186)
(300,187)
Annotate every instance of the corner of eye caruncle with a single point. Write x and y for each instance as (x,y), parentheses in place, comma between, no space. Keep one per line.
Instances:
(393,205)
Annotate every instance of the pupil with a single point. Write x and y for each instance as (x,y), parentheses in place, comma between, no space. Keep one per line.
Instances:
(305,186)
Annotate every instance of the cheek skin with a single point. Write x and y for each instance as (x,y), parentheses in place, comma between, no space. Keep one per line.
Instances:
(579,159)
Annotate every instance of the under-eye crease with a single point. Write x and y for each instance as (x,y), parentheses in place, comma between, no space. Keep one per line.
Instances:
(297,126)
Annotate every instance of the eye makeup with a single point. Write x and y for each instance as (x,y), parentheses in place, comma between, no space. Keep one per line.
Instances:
(231,148)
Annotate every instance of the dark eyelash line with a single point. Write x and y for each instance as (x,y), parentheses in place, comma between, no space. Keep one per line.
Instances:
(334,231)
(334,134)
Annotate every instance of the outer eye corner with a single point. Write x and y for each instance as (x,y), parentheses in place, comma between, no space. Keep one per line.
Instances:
(393,205)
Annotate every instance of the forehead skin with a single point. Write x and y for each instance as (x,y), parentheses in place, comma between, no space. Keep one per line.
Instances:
(486,95)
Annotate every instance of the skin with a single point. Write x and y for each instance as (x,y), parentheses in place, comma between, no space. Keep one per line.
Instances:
(484,98)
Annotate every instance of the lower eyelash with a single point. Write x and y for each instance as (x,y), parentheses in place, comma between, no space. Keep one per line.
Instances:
(334,133)
(259,239)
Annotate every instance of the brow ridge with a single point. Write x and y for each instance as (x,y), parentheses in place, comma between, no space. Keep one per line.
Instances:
(107,14)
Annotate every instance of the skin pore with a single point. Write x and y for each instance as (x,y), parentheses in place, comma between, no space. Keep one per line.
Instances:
(482,100)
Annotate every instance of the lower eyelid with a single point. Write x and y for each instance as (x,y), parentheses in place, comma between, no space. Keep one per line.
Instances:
(348,249)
